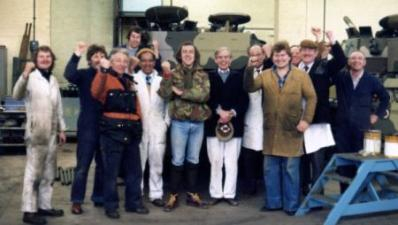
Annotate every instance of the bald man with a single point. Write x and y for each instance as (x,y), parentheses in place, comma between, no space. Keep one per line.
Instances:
(355,89)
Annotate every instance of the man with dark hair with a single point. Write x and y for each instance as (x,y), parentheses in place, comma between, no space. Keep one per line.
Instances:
(155,122)
(320,72)
(284,87)
(87,127)
(44,123)
(187,89)
(136,40)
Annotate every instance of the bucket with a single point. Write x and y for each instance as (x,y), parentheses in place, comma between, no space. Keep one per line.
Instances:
(391,145)
(372,142)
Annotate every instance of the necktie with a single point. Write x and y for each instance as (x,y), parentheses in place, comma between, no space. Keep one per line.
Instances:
(258,71)
(306,68)
(148,80)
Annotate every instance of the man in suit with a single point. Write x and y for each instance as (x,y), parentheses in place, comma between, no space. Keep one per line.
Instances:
(320,71)
(228,103)
(356,88)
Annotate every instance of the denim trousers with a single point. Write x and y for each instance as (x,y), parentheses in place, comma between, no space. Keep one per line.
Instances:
(186,141)
(282,182)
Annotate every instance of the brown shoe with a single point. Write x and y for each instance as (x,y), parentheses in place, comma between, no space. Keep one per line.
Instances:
(76,209)
(171,203)
(194,200)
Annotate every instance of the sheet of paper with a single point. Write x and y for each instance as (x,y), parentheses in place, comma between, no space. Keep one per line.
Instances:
(318,136)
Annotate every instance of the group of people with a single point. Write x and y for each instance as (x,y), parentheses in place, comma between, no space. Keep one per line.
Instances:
(129,100)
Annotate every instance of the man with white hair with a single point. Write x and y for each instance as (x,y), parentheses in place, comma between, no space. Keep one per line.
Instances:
(120,132)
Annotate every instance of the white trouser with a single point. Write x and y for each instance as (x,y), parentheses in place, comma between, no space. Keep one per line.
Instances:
(152,150)
(227,154)
(41,163)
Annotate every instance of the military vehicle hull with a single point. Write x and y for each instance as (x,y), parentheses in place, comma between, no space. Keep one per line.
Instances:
(207,43)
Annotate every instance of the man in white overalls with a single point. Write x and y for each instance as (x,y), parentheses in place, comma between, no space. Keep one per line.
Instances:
(44,122)
(155,122)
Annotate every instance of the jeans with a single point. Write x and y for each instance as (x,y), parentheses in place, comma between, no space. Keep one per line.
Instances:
(282,182)
(126,155)
(186,141)
(87,149)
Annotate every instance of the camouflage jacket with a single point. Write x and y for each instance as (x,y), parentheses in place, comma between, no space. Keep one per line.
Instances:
(191,105)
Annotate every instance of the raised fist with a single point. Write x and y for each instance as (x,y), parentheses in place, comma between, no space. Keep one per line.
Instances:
(81,47)
(316,31)
(134,61)
(104,63)
(267,48)
(155,44)
(330,36)
(166,67)
(253,61)
(29,66)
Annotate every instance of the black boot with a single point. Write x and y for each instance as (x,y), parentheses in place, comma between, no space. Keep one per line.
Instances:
(33,218)
(175,178)
(191,176)
(175,182)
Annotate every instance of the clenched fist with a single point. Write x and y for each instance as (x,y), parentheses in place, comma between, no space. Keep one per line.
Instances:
(166,67)
(104,63)
(29,66)
(81,47)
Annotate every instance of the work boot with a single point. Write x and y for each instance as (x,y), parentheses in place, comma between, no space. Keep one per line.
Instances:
(33,218)
(194,200)
(171,203)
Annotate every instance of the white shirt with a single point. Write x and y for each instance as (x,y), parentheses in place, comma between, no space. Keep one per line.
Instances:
(302,66)
(355,80)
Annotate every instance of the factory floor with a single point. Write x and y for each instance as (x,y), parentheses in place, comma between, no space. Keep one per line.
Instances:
(247,213)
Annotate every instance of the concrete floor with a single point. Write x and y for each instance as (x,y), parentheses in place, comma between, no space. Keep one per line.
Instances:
(247,213)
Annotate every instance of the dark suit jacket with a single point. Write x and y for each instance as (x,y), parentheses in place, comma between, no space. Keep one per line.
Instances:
(355,106)
(321,75)
(228,95)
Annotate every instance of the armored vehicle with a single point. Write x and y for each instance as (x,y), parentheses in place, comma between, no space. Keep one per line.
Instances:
(381,52)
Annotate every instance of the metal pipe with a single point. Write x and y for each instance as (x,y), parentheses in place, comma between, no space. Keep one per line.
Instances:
(324,19)
(34,20)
